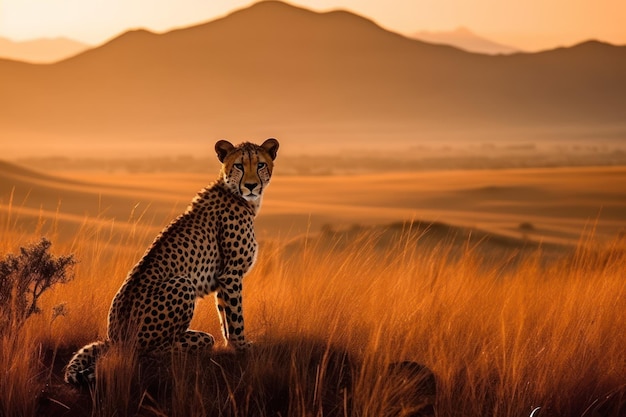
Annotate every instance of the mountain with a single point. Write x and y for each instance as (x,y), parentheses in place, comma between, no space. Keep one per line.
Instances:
(318,79)
(40,51)
(465,39)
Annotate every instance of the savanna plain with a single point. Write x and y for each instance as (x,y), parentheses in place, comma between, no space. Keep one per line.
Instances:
(480,291)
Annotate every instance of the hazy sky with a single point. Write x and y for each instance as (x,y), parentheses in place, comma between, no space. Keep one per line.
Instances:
(527,24)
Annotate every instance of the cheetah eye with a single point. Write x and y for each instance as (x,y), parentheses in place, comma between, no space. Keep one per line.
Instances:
(239,167)
(261,165)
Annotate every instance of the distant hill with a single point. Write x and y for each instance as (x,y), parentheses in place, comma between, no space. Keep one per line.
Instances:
(465,39)
(33,198)
(334,80)
(40,51)
(429,237)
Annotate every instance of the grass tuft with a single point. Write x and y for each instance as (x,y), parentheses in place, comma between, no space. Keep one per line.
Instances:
(347,327)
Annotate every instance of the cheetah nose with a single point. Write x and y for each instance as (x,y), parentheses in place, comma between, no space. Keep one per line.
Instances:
(250,186)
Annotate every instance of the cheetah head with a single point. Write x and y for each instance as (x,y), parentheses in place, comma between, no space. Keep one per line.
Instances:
(247,168)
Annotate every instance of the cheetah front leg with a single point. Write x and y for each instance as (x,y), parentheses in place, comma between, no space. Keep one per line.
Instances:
(230,310)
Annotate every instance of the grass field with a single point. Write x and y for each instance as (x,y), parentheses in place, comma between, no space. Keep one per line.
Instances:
(507,318)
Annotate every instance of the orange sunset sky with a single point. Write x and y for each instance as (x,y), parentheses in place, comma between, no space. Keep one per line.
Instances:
(527,24)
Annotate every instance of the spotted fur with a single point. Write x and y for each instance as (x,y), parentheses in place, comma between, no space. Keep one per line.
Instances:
(207,249)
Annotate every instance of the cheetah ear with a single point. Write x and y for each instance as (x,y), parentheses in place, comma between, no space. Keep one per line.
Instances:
(271,147)
(222,148)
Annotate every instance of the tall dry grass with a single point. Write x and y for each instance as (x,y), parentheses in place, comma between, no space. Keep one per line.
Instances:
(329,318)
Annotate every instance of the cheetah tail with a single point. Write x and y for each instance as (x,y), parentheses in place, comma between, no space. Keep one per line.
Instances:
(81,369)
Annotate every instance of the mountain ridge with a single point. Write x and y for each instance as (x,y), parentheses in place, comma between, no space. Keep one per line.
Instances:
(465,39)
(275,68)
(42,50)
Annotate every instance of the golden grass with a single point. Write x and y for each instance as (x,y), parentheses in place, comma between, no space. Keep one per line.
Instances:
(501,340)
(19,369)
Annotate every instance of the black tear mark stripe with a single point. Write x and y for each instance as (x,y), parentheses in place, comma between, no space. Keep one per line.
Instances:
(244,164)
(263,174)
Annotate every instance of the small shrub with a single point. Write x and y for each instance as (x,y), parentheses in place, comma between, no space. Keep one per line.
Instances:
(25,277)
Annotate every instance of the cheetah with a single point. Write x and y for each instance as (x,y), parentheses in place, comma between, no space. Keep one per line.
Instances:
(208,249)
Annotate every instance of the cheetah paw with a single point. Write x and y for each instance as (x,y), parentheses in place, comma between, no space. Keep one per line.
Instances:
(241,345)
